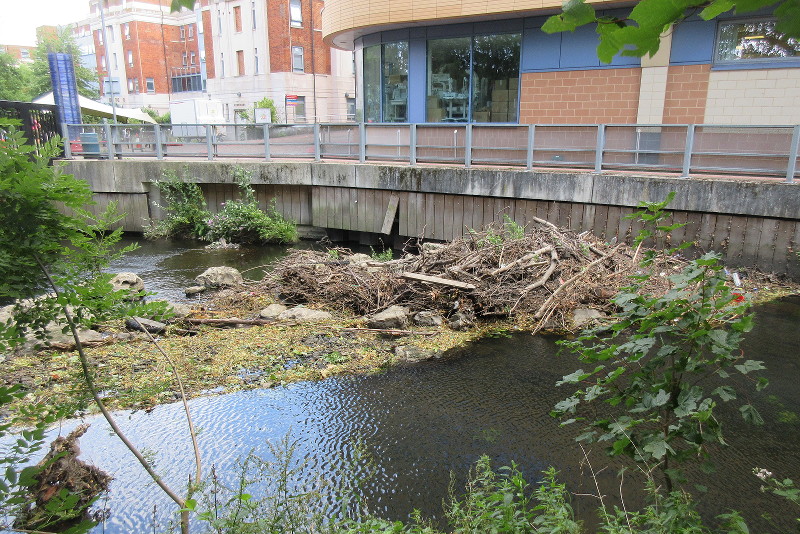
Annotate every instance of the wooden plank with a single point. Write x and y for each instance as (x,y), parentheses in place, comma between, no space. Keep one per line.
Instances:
(678,235)
(437,280)
(705,231)
(412,214)
(588,217)
(331,207)
(402,227)
(733,253)
(766,246)
(353,202)
(541,209)
(576,216)
(448,230)
(467,208)
(391,210)
(305,213)
(611,230)
(600,221)
(369,211)
(793,267)
(458,216)
(782,246)
(752,241)
(317,207)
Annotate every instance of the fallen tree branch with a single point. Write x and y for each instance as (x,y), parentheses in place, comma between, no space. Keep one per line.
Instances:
(437,280)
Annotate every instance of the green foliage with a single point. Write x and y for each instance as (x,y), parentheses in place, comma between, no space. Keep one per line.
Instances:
(242,221)
(784,488)
(385,255)
(652,367)
(638,32)
(185,205)
(513,229)
(15,79)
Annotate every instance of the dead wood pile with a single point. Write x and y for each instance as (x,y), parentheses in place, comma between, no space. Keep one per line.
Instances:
(544,274)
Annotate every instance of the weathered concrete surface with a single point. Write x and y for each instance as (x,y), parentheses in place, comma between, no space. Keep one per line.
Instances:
(735,196)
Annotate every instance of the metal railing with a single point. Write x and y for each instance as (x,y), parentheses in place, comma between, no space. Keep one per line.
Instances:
(675,148)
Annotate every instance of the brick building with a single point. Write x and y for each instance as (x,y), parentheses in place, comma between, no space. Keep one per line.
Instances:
(465,61)
(235,51)
(22,54)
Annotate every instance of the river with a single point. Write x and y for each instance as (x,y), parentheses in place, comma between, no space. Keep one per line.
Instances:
(422,423)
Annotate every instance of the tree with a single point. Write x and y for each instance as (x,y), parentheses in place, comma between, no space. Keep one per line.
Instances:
(60,41)
(15,79)
(639,32)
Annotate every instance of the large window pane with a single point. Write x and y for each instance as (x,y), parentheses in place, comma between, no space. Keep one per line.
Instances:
(448,79)
(395,82)
(372,84)
(755,40)
(495,77)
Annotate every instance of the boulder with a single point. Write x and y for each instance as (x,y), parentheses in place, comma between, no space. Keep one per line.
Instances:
(127,281)
(303,315)
(272,311)
(145,325)
(583,316)
(214,277)
(460,321)
(428,318)
(194,290)
(359,258)
(56,338)
(179,310)
(393,317)
(409,353)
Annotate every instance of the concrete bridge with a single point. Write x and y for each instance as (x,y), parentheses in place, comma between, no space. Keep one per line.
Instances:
(751,222)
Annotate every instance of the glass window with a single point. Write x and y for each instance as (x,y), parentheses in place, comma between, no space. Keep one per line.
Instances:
(100,37)
(300,109)
(395,82)
(110,30)
(297,59)
(192,58)
(221,65)
(296,13)
(183,33)
(372,83)
(255,61)
(191,31)
(237,18)
(448,80)
(753,41)
(253,13)
(150,83)
(495,77)
(130,85)
(130,58)
(126,28)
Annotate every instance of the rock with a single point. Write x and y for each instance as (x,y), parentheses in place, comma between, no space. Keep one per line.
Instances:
(428,318)
(154,327)
(127,282)
(214,277)
(303,315)
(179,310)
(409,353)
(393,317)
(584,316)
(222,244)
(272,311)
(6,313)
(194,290)
(430,248)
(460,321)
(359,258)
(56,338)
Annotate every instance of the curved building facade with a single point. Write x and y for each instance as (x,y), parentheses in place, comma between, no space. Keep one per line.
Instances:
(489,62)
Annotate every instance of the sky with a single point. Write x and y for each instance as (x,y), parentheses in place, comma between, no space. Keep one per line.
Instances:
(20,18)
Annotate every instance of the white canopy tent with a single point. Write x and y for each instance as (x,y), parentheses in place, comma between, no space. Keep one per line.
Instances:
(96,109)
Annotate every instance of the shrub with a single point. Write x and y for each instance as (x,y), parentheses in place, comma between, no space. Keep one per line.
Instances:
(185,206)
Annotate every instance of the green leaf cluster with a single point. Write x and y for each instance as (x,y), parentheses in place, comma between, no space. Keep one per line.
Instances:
(638,33)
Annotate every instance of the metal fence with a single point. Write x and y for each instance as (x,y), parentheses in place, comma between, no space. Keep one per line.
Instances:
(674,148)
(39,122)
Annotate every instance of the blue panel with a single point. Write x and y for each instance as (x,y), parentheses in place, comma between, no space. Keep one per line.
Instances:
(418,32)
(65,89)
(451,30)
(498,26)
(417,69)
(540,51)
(394,36)
(579,49)
(693,42)
(624,61)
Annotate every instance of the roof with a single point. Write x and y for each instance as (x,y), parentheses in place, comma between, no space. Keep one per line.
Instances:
(96,109)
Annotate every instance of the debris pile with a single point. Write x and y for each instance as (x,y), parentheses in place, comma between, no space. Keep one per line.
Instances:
(542,272)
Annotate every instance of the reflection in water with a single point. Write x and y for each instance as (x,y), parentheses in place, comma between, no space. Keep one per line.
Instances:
(422,423)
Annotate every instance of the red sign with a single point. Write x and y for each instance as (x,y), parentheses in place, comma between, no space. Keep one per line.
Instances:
(291,100)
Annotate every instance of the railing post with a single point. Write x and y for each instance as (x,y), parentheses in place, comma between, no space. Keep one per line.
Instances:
(468,147)
(529,158)
(687,151)
(412,146)
(792,166)
(109,140)
(598,150)
(266,142)
(209,143)
(362,142)
(317,149)
(67,140)
(159,144)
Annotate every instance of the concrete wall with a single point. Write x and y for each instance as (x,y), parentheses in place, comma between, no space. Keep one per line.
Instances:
(751,222)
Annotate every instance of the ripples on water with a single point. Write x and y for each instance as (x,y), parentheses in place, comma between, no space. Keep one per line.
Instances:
(422,423)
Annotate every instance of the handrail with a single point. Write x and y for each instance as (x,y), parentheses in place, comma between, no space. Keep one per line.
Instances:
(738,150)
